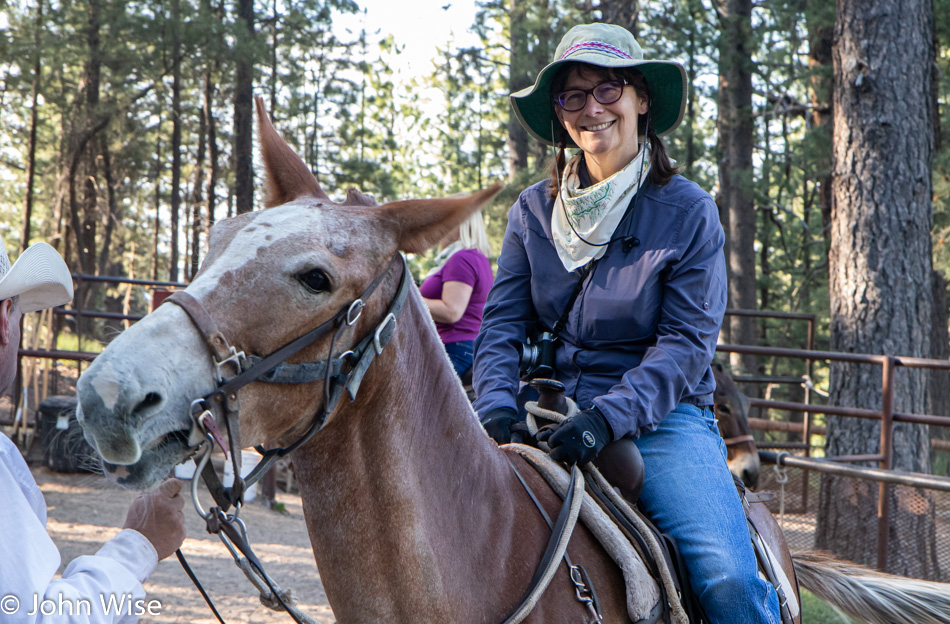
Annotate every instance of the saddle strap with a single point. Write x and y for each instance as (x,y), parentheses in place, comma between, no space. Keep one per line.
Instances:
(561,532)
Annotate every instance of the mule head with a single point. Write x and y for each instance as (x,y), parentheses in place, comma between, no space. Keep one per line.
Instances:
(732,412)
(269,277)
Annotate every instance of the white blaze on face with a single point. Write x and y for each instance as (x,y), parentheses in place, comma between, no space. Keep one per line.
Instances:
(267,228)
(107,383)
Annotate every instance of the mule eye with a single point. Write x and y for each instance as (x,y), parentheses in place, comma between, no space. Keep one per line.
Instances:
(315,280)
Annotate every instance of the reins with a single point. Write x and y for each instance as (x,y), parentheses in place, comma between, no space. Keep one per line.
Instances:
(344,372)
(556,550)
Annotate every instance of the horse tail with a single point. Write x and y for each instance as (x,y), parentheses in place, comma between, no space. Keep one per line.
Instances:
(871,596)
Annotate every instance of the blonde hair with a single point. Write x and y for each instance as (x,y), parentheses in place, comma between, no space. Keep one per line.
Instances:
(472,234)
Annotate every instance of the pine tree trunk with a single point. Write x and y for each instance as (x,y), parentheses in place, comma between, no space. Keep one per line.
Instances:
(158,200)
(82,176)
(196,194)
(243,101)
(212,149)
(938,387)
(34,122)
(820,16)
(689,123)
(176,140)
(114,214)
(735,168)
(621,12)
(518,78)
(880,266)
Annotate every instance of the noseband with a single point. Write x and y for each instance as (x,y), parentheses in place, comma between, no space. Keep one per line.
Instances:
(345,371)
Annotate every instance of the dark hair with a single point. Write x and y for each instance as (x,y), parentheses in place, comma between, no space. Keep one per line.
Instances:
(662,168)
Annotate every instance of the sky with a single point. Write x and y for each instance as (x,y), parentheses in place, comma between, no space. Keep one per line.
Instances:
(421,26)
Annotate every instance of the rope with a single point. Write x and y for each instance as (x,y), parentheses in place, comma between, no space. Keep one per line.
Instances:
(576,497)
(781,477)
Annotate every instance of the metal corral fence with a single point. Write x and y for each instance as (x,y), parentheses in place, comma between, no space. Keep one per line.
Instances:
(795,476)
(796,479)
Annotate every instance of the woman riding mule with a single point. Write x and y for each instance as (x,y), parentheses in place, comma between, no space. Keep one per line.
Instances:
(619,261)
(414,514)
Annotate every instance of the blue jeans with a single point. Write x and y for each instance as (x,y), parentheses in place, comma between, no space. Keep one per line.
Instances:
(461,354)
(689,494)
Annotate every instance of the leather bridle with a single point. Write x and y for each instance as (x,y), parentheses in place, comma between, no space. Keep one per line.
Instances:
(343,372)
(339,373)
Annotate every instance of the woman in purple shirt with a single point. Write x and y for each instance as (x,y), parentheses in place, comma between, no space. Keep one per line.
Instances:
(622,260)
(456,290)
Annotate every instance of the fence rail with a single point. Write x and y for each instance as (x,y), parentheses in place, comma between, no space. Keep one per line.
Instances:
(912,479)
(886,414)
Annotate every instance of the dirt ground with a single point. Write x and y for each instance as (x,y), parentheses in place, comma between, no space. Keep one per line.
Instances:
(85,510)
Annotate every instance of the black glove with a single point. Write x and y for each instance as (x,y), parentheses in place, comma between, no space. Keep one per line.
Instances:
(498,422)
(578,439)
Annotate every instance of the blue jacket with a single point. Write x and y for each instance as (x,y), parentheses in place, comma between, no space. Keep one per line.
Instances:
(642,332)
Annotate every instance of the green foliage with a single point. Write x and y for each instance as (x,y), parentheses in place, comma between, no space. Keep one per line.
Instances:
(69,341)
(336,98)
(941,168)
(814,611)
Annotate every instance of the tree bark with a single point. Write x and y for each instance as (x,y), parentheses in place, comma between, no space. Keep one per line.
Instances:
(113,214)
(243,100)
(81,159)
(34,122)
(197,189)
(176,140)
(820,17)
(621,12)
(158,200)
(880,269)
(519,77)
(938,388)
(735,168)
(212,149)
(689,122)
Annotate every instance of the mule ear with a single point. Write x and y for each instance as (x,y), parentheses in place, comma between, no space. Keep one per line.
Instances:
(288,177)
(422,223)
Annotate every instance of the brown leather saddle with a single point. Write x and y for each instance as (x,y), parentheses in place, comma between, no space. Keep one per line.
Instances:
(622,466)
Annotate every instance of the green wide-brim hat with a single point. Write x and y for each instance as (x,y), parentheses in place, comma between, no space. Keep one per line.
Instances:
(603,45)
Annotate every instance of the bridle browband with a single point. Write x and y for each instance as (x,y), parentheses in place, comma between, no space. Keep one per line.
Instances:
(343,372)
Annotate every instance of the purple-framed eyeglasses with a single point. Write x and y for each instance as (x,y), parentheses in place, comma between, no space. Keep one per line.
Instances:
(606,92)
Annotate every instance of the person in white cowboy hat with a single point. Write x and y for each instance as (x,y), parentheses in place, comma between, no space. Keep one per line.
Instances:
(154,527)
(620,261)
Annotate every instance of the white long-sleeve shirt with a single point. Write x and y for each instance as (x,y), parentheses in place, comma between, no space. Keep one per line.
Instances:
(101,588)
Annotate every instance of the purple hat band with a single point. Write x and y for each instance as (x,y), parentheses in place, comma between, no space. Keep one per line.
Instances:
(598,46)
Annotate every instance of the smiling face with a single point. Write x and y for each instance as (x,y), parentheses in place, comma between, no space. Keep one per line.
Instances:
(607,133)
